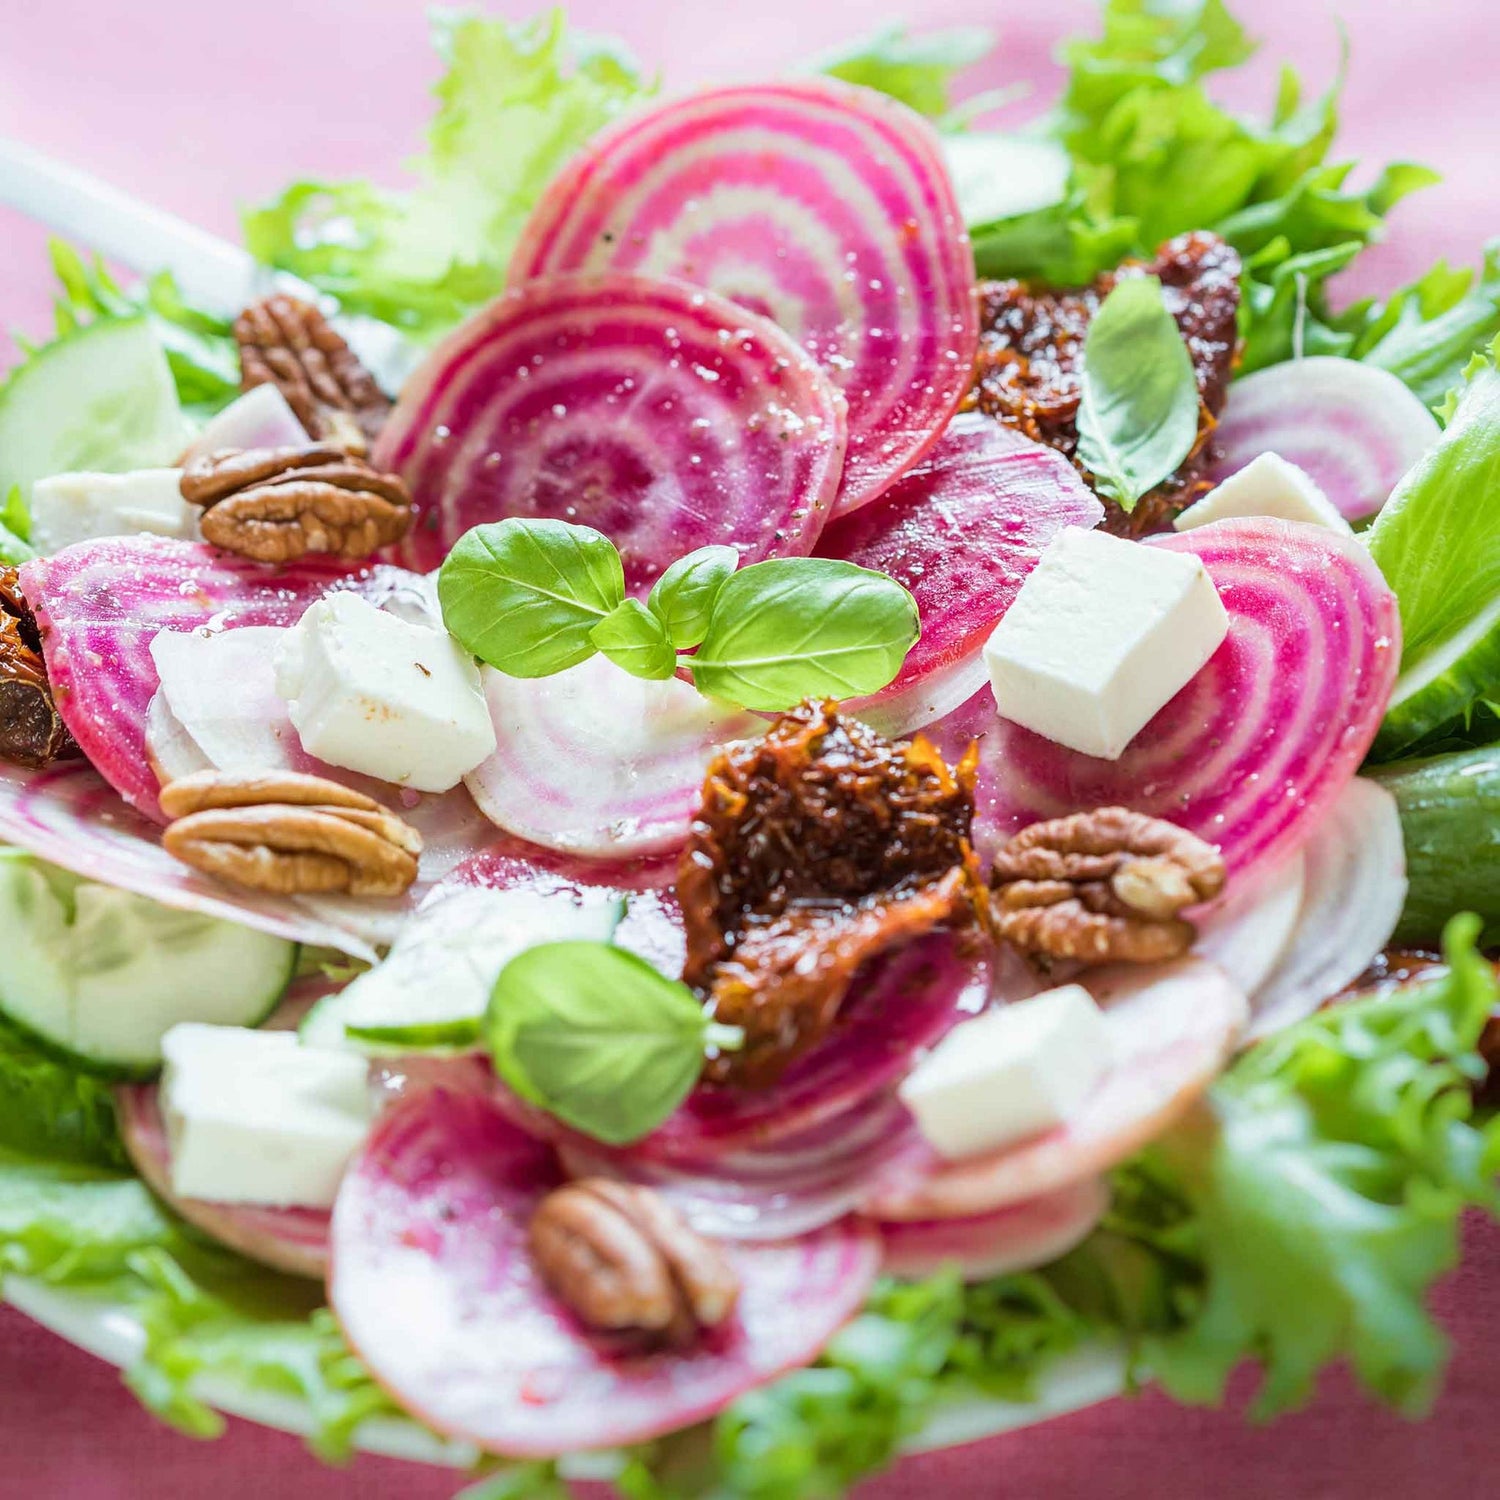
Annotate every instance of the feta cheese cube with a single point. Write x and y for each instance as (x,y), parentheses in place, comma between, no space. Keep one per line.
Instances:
(377,694)
(1010,1073)
(255,1117)
(1102,635)
(70,508)
(1266,486)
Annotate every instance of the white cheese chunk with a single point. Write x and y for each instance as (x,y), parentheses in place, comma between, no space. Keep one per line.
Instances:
(70,508)
(1266,486)
(255,1117)
(374,693)
(1010,1073)
(1103,634)
(260,418)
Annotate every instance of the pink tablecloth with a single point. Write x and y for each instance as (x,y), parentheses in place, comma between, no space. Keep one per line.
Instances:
(203,107)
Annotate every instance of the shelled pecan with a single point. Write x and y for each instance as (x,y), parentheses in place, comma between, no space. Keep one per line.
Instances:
(288,343)
(1103,886)
(289,834)
(278,504)
(623,1260)
(817,848)
(32,732)
(1030,370)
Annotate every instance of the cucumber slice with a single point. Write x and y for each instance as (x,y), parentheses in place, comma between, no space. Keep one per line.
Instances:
(100,399)
(99,975)
(1450,820)
(431,992)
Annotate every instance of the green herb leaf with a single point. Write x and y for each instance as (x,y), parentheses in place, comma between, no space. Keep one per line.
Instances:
(804,627)
(516,101)
(597,1037)
(635,639)
(1138,418)
(1436,542)
(683,598)
(918,70)
(525,596)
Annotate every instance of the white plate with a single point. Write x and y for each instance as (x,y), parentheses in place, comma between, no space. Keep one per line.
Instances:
(1088,1375)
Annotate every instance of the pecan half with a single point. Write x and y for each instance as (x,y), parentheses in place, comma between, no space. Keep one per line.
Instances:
(1103,886)
(816,849)
(289,834)
(278,504)
(288,343)
(32,732)
(623,1260)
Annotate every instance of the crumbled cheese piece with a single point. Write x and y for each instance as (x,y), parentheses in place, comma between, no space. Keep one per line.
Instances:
(1266,486)
(374,693)
(1010,1073)
(1103,634)
(70,508)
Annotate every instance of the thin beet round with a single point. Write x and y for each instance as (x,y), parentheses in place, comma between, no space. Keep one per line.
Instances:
(827,208)
(663,416)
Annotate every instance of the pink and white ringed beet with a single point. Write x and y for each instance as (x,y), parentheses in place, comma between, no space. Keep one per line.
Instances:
(961,530)
(1172,1028)
(1016,1238)
(662,415)
(1252,753)
(1355,428)
(433,1285)
(825,207)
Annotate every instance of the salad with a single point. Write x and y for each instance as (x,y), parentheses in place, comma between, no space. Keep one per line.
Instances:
(758,763)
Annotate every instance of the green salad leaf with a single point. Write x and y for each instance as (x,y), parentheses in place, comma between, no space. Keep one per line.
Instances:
(598,1037)
(1435,541)
(804,627)
(634,638)
(683,597)
(916,69)
(516,101)
(525,596)
(1138,415)
(53,1110)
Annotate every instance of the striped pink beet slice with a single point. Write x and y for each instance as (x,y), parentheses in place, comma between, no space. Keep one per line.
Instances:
(657,413)
(823,206)
(434,1287)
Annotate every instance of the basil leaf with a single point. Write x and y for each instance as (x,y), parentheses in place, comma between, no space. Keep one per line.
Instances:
(804,627)
(525,595)
(1138,417)
(633,638)
(683,598)
(597,1037)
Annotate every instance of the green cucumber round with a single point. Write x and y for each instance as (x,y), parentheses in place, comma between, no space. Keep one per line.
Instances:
(98,976)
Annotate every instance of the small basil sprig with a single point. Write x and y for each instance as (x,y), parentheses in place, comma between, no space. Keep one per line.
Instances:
(598,1038)
(535,597)
(1138,412)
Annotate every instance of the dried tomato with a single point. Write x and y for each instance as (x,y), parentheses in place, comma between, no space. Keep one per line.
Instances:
(1031,358)
(31,731)
(817,848)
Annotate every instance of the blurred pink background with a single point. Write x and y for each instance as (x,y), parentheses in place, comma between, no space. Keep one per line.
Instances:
(205,107)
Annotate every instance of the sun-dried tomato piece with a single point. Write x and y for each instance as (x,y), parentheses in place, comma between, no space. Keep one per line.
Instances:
(1031,357)
(31,731)
(817,848)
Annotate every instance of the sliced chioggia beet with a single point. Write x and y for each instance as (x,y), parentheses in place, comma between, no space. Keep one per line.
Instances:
(825,207)
(1355,890)
(435,1289)
(593,761)
(665,417)
(961,530)
(294,1240)
(1247,930)
(1354,428)
(1251,754)
(1019,1237)
(789,1186)
(1172,1028)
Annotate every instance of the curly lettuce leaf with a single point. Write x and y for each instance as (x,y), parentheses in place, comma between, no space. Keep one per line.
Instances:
(516,102)
(916,69)
(1436,543)
(51,1109)
(1299,1219)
